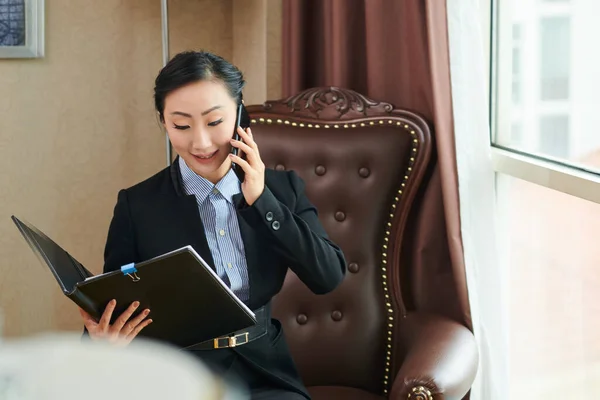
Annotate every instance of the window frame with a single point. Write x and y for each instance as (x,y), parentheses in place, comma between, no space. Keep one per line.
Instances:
(573,179)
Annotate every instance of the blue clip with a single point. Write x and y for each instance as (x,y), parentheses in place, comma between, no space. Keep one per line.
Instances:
(128,269)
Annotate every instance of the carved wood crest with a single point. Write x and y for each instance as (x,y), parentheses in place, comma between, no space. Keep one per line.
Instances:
(329,103)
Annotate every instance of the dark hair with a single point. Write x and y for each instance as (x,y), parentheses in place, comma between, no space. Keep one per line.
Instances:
(193,66)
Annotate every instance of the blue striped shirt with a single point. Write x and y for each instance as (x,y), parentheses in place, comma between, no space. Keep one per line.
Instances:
(221,226)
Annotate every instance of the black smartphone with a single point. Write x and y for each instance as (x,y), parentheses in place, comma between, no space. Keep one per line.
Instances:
(243,120)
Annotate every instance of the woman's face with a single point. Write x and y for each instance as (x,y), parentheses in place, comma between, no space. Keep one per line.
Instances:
(200,119)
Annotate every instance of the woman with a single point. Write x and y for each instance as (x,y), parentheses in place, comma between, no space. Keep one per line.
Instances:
(250,232)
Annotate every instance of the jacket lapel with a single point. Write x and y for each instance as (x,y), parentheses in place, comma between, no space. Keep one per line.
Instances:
(252,248)
(186,218)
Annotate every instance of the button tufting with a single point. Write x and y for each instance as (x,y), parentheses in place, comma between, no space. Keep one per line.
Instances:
(364,172)
(353,267)
(336,315)
(340,216)
(280,167)
(302,319)
(320,170)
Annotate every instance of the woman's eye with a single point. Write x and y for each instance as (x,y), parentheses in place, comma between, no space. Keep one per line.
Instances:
(215,123)
(181,127)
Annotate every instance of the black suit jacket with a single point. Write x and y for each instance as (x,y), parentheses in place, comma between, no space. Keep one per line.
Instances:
(280,230)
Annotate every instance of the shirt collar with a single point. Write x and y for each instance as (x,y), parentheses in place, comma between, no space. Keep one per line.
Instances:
(201,187)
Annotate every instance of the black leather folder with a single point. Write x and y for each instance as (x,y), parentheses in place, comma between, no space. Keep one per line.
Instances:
(189,303)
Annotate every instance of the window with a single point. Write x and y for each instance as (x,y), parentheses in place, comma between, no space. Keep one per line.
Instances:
(516,134)
(554,274)
(546,153)
(516,64)
(546,80)
(554,135)
(555,57)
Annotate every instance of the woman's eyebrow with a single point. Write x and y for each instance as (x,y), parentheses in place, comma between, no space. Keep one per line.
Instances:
(184,114)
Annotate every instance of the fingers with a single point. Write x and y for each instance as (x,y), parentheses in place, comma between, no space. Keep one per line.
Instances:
(131,325)
(250,148)
(89,322)
(246,136)
(107,315)
(124,317)
(242,163)
(123,330)
(250,152)
(138,329)
(84,315)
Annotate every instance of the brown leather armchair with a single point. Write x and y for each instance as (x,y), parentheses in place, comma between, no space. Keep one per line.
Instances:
(362,162)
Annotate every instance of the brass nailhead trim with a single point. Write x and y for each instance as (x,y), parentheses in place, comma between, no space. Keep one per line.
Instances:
(422,392)
(390,311)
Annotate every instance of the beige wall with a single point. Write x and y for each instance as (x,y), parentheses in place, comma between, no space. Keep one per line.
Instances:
(78,125)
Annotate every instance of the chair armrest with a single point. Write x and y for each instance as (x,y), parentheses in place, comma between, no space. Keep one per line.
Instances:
(441,358)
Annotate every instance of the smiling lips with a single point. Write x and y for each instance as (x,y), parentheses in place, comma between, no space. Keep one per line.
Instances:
(204,158)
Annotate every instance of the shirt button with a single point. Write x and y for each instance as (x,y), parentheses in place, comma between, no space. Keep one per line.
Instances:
(269,216)
(275,225)
(215,191)
(222,232)
(229,265)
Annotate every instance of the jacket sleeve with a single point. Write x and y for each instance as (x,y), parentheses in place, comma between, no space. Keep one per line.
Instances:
(120,246)
(120,242)
(299,236)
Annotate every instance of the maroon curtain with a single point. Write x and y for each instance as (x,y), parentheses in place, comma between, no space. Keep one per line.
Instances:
(394,51)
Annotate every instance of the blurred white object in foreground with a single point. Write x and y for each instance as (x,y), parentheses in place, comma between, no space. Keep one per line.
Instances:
(53,367)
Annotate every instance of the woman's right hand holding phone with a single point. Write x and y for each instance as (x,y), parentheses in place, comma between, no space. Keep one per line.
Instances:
(123,330)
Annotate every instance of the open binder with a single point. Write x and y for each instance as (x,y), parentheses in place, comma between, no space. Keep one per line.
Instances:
(189,303)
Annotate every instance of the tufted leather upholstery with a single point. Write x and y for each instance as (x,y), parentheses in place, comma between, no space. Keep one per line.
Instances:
(362,162)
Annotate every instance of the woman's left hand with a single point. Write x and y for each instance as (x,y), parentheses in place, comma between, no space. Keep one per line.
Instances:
(254,168)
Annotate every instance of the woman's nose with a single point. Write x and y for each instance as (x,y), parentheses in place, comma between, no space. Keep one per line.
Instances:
(201,140)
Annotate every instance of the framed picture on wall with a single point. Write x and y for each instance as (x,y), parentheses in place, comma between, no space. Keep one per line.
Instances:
(21,28)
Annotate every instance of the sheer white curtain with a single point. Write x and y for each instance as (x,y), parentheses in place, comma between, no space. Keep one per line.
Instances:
(487,277)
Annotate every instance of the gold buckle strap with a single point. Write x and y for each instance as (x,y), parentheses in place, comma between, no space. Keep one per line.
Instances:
(230,341)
